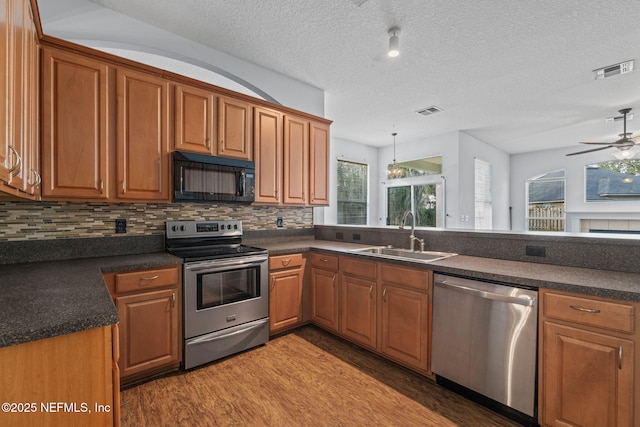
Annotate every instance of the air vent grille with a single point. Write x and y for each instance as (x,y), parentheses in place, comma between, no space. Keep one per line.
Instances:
(612,70)
(429,110)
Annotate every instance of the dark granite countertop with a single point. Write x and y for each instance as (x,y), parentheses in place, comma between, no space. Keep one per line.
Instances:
(47,299)
(604,283)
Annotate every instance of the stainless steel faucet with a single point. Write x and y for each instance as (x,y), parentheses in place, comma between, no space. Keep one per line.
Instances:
(412,237)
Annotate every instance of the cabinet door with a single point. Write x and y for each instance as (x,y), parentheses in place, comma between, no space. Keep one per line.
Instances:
(404,326)
(234,128)
(319,164)
(358,310)
(6,17)
(267,135)
(74,126)
(148,331)
(32,155)
(285,299)
(324,296)
(194,119)
(587,378)
(17,85)
(142,137)
(295,161)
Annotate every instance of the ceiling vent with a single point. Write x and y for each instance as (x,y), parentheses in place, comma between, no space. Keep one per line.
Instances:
(612,70)
(429,110)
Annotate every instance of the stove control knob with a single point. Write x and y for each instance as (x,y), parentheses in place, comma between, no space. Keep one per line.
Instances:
(221,226)
(183,228)
(235,226)
(174,228)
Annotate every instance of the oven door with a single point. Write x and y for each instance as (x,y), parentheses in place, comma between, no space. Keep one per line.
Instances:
(223,293)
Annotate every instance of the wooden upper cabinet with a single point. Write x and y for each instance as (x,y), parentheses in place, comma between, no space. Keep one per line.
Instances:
(267,132)
(33,178)
(75,116)
(234,128)
(194,118)
(5,89)
(319,164)
(142,137)
(18,117)
(295,161)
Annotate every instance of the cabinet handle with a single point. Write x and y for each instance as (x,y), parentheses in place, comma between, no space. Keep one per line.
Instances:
(18,164)
(222,145)
(303,199)
(276,195)
(101,186)
(286,262)
(384,295)
(370,290)
(620,357)
(324,260)
(124,186)
(585,310)
(207,141)
(273,282)
(173,299)
(151,278)
(333,281)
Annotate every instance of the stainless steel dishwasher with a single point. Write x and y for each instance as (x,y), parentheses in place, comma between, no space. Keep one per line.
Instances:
(485,343)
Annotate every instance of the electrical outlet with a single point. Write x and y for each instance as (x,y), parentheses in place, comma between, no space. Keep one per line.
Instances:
(121,225)
(279,222)
(540,251)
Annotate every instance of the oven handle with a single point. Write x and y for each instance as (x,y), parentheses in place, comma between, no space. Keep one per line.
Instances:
(207,339)
(215,265)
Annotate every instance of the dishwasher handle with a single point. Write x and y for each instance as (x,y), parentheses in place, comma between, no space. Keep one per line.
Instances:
(526,301)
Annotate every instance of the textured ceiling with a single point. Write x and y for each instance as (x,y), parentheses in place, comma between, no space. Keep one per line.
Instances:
(515,74)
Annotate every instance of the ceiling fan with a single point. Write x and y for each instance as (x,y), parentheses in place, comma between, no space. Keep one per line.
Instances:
(623,144)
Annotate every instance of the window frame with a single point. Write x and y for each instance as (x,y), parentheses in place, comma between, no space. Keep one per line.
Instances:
(368,187)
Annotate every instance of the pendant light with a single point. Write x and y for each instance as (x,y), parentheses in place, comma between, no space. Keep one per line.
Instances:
(395,170)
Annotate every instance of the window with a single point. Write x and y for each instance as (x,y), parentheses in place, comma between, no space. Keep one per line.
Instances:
(545,202)
(353,196)
(614,180)
(420,199)
(483,209)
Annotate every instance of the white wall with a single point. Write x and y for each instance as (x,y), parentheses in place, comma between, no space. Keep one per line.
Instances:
(89,24)
(529,165)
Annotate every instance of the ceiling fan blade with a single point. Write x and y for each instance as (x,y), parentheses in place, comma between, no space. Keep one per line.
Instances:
(589,151)
(596,143)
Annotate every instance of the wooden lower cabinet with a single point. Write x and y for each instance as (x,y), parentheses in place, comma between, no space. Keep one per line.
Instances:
(286,278)
(76,370)
(381,306)
(148,303)
(358,301)
(324,290)
(403,326)
(587,365)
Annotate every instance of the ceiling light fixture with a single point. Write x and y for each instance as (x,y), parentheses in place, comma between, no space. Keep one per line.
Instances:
(625,154)
(394,42)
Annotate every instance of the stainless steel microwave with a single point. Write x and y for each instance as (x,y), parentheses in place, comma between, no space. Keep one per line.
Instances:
(204,178)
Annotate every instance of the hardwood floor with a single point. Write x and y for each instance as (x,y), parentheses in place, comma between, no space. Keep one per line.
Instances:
(305,378)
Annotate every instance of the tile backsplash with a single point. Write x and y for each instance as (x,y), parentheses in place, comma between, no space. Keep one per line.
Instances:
(48,220)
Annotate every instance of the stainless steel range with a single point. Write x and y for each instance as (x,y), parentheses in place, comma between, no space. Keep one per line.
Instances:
(226,295)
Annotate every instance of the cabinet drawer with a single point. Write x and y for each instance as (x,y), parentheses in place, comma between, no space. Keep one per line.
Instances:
(407,277)
(285,261)
(146,279)
(588,311)
(357,267)
(327,262)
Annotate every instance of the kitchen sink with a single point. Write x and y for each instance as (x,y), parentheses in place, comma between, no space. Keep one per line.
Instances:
(406,254)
